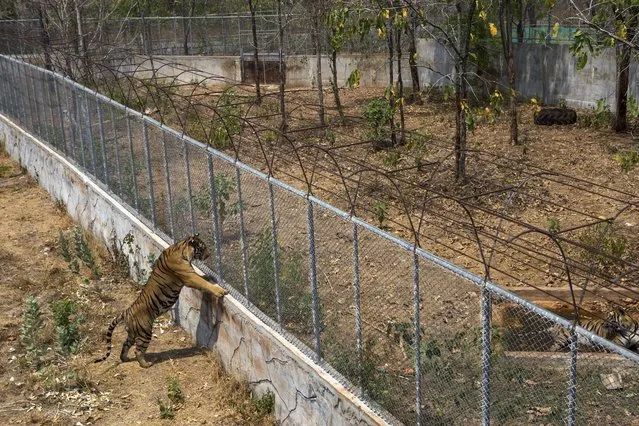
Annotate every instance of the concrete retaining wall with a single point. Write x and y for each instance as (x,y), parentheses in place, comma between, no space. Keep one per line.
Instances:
(548,72)
(305,394)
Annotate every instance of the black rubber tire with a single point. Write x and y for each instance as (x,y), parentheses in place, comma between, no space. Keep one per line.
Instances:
(561,116)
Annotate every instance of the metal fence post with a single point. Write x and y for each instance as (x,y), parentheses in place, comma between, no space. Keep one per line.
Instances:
(9,85)
(572,385)
(72,122)
(187,167)
(116,144)
(313,277)
(276,265)
(5,98)
(60,115)
(6,85)
(76,103)
(94,156)
(358,305)
(168,186)
(216,219)
(242,231)
(136,196)
(51,133)
(103,142)
(147,151)
(12,87)
(21,101)
(41,104)
(418,338)
(486,309)
(33,105)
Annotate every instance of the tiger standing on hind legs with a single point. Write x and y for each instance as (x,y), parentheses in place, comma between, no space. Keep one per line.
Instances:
(172,271)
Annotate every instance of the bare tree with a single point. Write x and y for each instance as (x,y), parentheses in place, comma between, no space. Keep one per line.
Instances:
(256,56)
(390,43)
(505,14)
(186,23)
(400,25)
(316,16)
(337,20)
(44,36)
(412,56)
(451,26)
(280,28)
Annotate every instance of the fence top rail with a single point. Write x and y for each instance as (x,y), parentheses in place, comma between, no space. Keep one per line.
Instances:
(411,247)
(269,14)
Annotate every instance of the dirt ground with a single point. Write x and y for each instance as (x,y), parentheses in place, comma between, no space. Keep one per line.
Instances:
(586,157)
(72,389)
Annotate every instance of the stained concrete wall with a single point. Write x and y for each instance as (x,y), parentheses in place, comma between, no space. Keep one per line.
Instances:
(305,394)
(548,72)
(551,72)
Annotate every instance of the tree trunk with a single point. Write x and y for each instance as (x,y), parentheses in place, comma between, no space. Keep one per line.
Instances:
(621,94)
(391,76)
(335,87)
(520,32)
(412,58)
(316,33)
(506,26)
(81,43)
(400,84)
(45,38)
(532,14)
(187,27)
(461,94)
(460,128)
(624,55)
(256,56)
(283,124)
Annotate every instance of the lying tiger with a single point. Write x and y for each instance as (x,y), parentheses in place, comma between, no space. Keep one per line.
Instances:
(171,272)
(617,327)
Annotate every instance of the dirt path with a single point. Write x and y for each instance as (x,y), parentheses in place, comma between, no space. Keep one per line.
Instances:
(71,389)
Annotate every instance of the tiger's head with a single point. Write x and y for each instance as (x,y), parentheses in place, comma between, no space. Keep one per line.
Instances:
(195,248)
(619,316)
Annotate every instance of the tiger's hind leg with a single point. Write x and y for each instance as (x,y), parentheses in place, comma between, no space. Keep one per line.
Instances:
(124,355)
(140,349)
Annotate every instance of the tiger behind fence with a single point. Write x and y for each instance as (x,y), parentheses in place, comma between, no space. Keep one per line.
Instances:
(617,326)
(172,271)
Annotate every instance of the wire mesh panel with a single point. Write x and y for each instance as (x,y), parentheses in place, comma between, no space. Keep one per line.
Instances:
(140,170)
(176,186)
(606,386)
(227,199)
(527,383)
(256,243)
(114,128)
(95,133)
(334,283)
(291,257)
(450,350)
(202,201)
(384,357)
(156,164)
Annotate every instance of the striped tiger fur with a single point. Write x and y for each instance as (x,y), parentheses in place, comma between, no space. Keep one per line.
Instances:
(172,271)
(617,326)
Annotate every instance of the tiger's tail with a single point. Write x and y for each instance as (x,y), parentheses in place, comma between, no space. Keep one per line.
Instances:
(109,333)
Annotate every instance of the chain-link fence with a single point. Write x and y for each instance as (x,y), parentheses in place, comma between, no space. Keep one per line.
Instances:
(421,340)
(214,35)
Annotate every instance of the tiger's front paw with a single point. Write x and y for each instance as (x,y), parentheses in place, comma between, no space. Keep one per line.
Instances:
(218,291)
